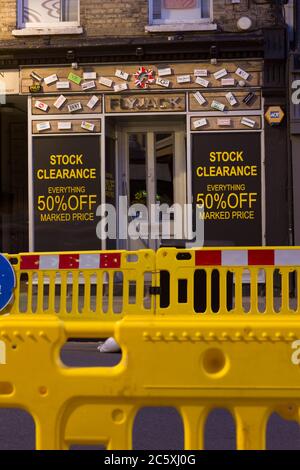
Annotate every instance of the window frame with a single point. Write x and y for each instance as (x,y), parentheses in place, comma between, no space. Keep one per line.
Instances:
(36,25)
(153,22)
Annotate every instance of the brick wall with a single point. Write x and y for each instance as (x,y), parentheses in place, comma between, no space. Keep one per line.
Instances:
(114,17)
(7,18)
(117,18)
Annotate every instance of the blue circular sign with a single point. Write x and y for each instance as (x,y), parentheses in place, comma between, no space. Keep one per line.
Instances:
(7,282)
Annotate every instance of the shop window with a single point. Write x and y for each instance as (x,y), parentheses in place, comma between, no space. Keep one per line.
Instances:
(48,14)
(166,12)
(13,175)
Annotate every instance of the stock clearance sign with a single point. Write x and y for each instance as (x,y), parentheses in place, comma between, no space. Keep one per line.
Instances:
(66,191)
(227,184)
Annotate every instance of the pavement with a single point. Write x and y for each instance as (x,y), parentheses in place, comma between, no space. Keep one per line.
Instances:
(155,428)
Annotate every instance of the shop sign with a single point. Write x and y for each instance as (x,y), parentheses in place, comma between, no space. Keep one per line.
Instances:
(66,192)
(145,103)
(274,115)
(9,82)
(227,185)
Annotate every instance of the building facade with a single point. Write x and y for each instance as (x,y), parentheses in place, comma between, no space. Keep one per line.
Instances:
(174,102)
(294,100)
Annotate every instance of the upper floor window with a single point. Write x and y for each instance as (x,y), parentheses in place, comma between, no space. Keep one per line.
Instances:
(179,11)
(48,13)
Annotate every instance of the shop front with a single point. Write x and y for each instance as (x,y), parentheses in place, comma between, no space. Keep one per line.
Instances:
(138,136)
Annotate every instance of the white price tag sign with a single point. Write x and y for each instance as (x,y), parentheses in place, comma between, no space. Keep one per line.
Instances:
(224,122)
(202,82)
(241,73)
(60,101)
(228,82)
(43,126)
(89,75)
(163,82)
(88,85)
(248,122)
(62,85)
(200,123)
(89,126)
(199,98)
(105,81)
(231,98)
(120,87)
(221,73)
(93,101)
(36,77)
(163,72)
(74,107)
(122,75)
(42,106)
(184,79)
(200,72)
(217,105)
(51,79)
(64,125)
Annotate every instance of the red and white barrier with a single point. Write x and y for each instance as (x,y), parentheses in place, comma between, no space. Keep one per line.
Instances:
(70,261)
(251,257)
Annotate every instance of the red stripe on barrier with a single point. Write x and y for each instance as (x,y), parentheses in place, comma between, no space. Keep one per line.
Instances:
(69,261)
(208,258)
(261,257)
(110,260)
(29,262)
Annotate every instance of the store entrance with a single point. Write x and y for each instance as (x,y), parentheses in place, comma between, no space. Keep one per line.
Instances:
(151,171)
(13,175)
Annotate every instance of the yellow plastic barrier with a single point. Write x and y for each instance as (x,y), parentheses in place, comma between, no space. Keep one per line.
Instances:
(91,285)
(192,350)
(242,365)
(210,281)
(85,285)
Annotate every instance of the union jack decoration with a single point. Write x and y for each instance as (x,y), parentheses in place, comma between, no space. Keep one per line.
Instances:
(144,77)
(180,4)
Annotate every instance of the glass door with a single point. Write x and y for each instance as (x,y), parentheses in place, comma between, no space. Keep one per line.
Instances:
(152,172)
(139,189)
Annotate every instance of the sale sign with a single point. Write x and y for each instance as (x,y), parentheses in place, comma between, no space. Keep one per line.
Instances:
(66,192)
(227,186)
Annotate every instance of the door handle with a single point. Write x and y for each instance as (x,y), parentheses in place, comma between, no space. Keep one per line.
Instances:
(125,186)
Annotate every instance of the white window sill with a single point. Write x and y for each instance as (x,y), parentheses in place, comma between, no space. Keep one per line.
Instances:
(48,31)
(161,28)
